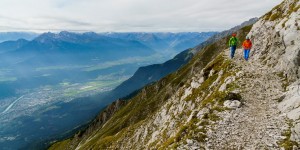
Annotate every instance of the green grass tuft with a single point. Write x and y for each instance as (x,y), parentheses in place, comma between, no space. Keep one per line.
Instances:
(287,143)
(275,16)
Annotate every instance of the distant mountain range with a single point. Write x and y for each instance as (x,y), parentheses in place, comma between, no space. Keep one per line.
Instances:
(13,36)
(165,41)
(65,47)
(12,45)
(90,45)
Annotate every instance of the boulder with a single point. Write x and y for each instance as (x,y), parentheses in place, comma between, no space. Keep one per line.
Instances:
(227,81)
(232,104)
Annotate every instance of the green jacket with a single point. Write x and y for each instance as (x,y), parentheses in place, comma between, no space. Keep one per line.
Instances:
(233,41)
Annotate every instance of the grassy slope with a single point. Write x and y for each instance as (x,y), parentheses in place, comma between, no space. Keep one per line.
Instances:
(147,102)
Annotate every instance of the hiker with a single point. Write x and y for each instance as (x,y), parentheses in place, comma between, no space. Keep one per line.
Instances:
(247,45)
(233,43)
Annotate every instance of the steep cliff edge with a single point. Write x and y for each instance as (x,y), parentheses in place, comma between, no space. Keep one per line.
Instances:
(215,102)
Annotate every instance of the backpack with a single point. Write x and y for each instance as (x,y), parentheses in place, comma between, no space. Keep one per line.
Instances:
(247,44)
(233,41)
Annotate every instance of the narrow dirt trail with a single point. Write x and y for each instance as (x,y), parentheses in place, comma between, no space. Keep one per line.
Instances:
(258,123)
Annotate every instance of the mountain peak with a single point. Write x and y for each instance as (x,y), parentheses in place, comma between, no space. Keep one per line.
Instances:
(22,40)
(46,37)
(65,33)
(90,33)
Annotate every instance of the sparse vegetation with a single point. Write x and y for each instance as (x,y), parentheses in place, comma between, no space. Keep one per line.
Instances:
(268,15)
(283,24)
(274,16)
(277,12)
(294,7)
(60,145)
(287,143)
(285,82)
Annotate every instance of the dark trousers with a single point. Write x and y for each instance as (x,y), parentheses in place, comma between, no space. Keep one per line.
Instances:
(232,51)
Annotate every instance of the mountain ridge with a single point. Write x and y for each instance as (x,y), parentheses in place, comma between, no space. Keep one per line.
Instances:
(13,36)
(12,45)
(57,47)
(167,40)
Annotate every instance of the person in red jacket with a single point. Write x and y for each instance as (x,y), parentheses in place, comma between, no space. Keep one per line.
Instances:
(247,45)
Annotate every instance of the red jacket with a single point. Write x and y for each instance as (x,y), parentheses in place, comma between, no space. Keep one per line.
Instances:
(247,44)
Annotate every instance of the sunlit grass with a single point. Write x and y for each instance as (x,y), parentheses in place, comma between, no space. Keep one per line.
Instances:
(91,86)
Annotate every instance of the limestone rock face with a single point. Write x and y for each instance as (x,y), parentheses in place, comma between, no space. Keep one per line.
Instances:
(276,39)
(290,106)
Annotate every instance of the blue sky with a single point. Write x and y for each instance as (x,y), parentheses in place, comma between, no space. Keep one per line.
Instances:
(128,15)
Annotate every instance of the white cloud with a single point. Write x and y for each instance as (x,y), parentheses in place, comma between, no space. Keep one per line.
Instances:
(128,15)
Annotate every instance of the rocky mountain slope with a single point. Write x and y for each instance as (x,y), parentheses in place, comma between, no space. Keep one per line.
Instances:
(12,45)
(215,102)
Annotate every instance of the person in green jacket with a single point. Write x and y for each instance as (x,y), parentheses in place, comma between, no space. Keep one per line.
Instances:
(233,43)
